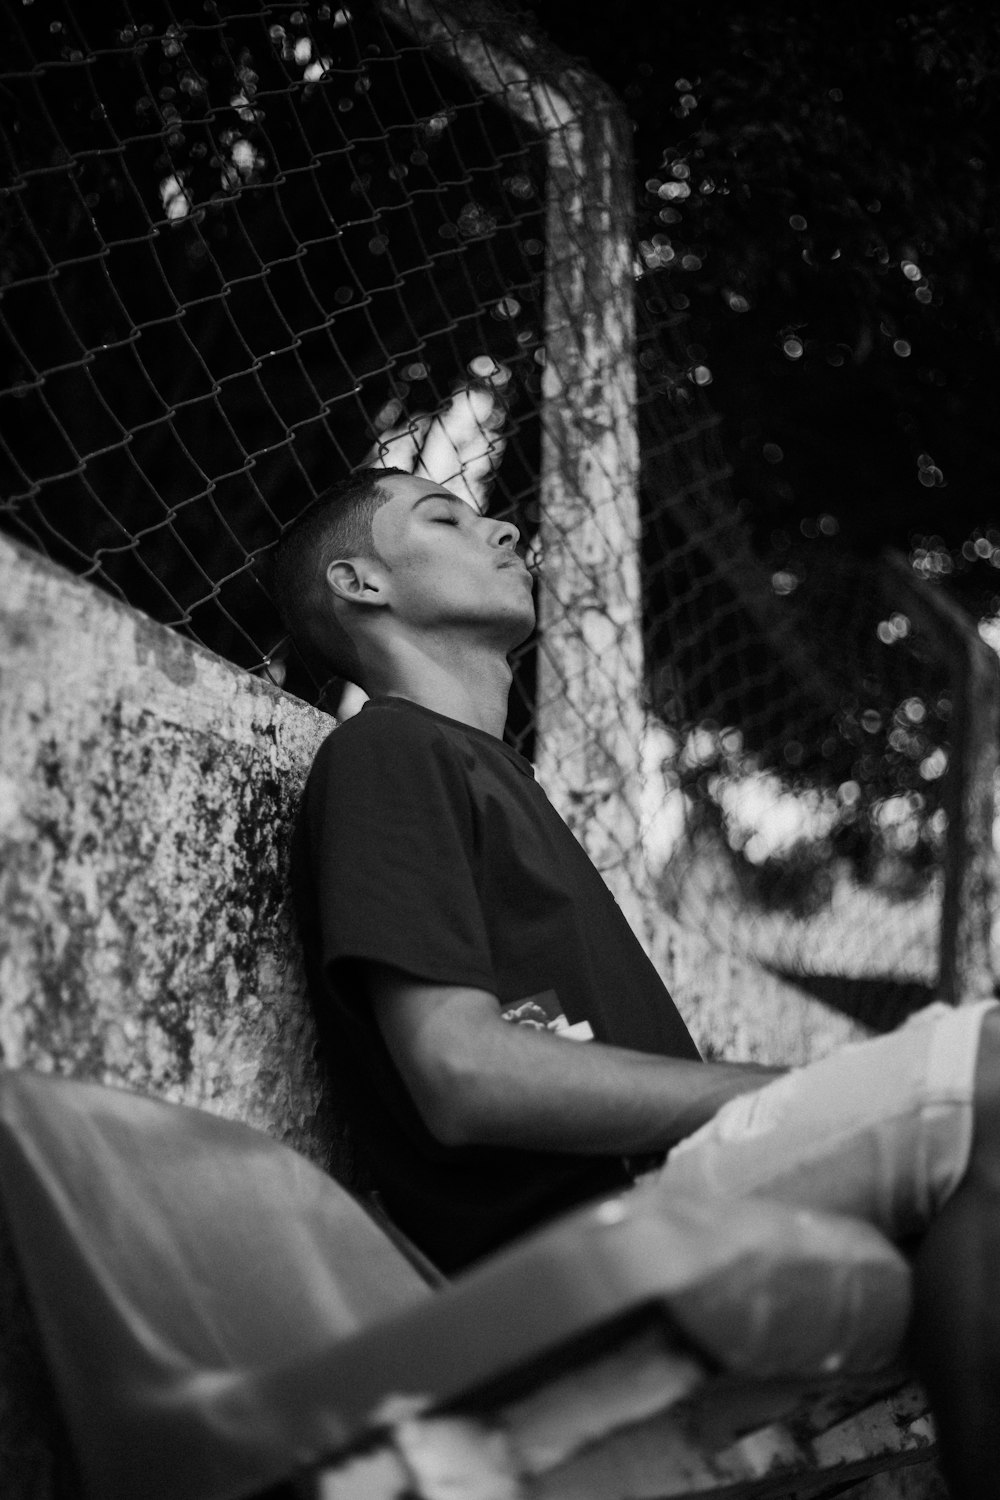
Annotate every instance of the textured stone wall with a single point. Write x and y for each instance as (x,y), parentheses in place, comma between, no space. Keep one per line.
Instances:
(146,791)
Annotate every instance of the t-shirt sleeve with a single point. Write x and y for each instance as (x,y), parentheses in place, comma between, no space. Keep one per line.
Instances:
(390,836)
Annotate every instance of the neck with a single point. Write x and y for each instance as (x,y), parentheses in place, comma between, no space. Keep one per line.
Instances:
(473,689)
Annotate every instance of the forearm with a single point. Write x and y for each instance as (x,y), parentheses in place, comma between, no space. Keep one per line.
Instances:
(532,1090)
(478,1080)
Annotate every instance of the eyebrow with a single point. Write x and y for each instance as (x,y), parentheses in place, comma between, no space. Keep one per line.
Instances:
(448,496)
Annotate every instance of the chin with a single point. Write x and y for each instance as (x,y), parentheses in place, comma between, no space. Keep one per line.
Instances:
(525,633)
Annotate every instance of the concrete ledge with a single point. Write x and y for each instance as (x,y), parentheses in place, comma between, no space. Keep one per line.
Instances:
(146,793)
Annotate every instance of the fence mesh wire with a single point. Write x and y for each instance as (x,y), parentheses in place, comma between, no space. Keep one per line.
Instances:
(239,253)
(802,723)
(245,253)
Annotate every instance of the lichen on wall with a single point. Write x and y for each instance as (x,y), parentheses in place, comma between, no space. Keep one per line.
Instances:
(146,796)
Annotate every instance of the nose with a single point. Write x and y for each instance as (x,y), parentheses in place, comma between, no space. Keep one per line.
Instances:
(506,534)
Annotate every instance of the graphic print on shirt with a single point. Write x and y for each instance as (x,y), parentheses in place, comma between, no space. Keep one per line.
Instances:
(543,1012)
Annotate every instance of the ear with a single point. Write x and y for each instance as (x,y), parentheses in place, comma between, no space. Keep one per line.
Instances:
(357,581)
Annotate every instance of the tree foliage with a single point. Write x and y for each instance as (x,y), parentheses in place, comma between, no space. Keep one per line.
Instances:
(819,185)
(817,192)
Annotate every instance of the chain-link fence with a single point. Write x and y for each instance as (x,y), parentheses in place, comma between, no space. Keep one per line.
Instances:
(246,253)
(238,253)
(810,764)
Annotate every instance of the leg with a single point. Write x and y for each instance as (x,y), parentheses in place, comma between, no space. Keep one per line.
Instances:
(956,1323)
(880,1131)
(904,1132)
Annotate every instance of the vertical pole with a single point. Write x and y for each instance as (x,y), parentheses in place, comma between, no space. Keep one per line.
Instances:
(965,967)
(970,885)
(590,718)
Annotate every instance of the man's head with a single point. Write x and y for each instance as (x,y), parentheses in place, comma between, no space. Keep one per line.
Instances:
(337,524)
(386,558)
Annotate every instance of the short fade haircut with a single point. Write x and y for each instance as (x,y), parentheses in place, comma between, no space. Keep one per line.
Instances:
(338,523)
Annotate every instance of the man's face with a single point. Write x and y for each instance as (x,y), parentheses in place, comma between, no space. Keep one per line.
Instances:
(447,565)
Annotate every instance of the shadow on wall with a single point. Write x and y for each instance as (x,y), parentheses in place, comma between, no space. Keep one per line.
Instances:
(882,1004)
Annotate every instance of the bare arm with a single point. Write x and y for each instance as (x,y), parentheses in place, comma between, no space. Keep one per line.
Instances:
(477,1080)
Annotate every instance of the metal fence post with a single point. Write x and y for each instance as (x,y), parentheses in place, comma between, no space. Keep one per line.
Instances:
(965,968)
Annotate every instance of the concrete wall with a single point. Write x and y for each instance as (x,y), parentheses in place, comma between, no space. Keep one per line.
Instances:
(146,791)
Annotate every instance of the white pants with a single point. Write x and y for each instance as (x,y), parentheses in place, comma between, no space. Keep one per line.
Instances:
(880,1130)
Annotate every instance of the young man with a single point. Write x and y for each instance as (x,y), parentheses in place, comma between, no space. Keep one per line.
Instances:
(459,944)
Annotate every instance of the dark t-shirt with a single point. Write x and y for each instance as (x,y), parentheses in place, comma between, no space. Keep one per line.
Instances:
(428,845)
